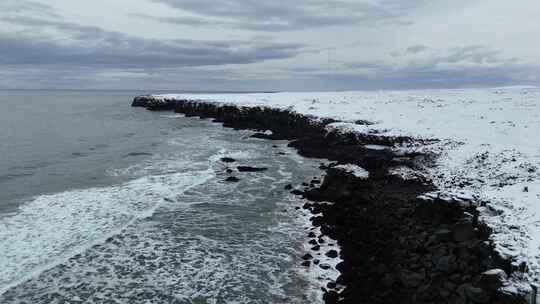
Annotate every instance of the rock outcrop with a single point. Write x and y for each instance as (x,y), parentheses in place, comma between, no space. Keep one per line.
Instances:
(397,246)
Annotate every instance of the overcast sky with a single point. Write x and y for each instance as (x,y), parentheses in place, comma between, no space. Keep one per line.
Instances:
(268,45)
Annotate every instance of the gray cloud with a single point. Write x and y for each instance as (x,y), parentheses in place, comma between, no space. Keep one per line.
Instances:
(415,49)
(120,51)
(18,7)
(473,65)
(93,46)
(297,15)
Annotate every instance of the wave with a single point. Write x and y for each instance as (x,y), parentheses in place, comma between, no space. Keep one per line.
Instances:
(50,229)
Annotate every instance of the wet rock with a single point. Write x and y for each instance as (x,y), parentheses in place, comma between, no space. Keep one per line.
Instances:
(492,280)
(332,254)
(307,257)
(325,266)
(227,160)
(288,187)
(313,242)
(250,169)
(232,179)
(297,192)
(316,248)
(306,264)
(331,297)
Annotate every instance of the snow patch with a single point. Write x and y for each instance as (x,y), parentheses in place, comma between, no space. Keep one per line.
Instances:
(354,170)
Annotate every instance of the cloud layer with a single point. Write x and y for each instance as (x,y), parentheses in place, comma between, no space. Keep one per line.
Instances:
(255,45)
(296,15)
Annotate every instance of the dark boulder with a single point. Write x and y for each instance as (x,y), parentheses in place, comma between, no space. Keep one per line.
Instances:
(228,160)
(232,179)
(250,169)
(332,254)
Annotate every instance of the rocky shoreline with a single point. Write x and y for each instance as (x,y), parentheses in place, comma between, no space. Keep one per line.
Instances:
(397,244)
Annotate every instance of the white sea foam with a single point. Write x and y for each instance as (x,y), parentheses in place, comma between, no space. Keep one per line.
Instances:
(317,276)
(239,155)
(173,115)
(377,147)
(51,228)
(228,246)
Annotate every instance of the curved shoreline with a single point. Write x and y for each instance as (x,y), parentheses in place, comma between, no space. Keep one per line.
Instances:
(397,245)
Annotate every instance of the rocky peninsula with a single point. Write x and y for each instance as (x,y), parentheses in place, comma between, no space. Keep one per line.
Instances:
(399,244)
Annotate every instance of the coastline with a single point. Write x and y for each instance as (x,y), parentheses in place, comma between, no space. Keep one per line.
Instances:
(396,244)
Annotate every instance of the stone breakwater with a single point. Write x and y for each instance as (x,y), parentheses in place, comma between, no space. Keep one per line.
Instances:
(397,244)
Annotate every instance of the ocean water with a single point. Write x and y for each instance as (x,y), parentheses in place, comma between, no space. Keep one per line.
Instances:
(104,203)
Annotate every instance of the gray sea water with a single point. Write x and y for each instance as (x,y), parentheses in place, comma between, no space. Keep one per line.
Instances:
(104,203)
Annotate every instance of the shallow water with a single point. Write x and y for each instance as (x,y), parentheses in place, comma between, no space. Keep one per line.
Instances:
(104,203)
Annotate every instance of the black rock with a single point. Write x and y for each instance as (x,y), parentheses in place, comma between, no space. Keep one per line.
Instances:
(331,297)
(297,192)
(307,257)
(312,235)
(463,232)
(264,136)
(492,280)
(306,263)
(316,248)
(288,187)
(332,254)
(232,179)
(250,169)
(313,242)
(325,266)
(228,160)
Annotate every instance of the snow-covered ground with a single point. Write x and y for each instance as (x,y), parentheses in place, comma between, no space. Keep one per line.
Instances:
(489,145)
